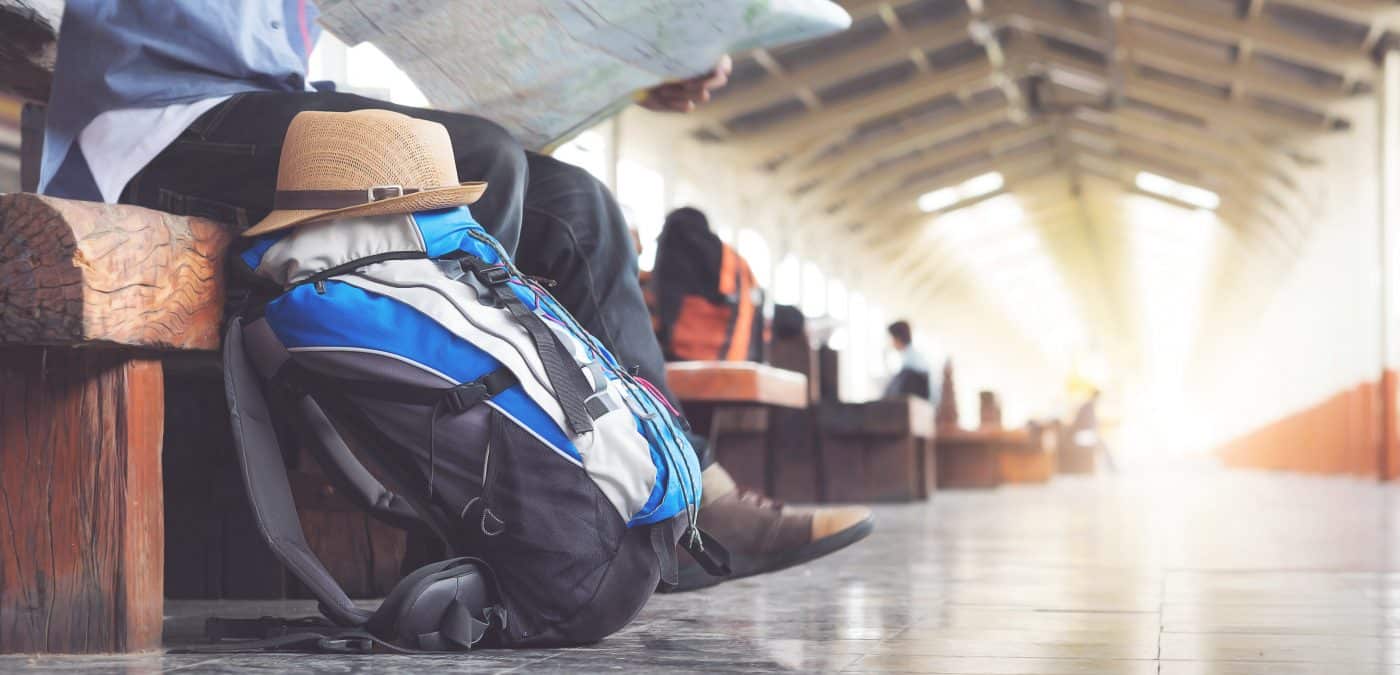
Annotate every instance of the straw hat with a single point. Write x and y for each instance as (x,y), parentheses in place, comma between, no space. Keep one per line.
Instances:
(363,163)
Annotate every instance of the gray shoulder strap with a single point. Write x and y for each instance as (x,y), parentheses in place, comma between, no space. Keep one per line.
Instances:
(267,354)
(265,478)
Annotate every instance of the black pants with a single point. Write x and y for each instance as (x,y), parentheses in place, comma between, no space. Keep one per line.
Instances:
(559,221)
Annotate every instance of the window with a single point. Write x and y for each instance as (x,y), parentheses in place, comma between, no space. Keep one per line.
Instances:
(642,192)
(362,69)
(813,290)
(787,281)
(754,248)
(588,151)
(837,304)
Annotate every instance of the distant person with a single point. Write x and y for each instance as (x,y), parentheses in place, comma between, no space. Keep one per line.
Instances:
(1084,432)
(707,298)
(912,378)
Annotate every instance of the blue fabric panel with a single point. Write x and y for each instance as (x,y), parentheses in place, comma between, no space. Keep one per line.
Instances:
(254,255)
(304,318)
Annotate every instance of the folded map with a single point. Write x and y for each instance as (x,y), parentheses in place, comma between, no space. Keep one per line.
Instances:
(548,69)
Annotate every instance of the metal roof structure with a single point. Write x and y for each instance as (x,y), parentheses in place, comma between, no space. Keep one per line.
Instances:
(1055,95)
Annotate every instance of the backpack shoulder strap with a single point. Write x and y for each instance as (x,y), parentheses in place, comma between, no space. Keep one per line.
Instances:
(265,478)
(270,360)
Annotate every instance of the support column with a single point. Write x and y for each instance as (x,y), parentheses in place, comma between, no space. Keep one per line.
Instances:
(1388,239)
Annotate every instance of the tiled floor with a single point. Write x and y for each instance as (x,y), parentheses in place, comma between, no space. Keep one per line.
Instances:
(1189,574)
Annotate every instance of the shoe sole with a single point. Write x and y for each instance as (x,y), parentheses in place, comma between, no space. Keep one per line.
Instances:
(694,577)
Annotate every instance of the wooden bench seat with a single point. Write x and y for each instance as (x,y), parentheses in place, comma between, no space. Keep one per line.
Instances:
(877,451)
(732,404)
(90,294)
(115,454)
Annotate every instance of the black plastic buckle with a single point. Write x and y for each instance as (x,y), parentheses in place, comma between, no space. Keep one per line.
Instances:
(493,276)
(464,397)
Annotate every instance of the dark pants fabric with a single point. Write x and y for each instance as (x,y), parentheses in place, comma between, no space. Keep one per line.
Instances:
(559,221)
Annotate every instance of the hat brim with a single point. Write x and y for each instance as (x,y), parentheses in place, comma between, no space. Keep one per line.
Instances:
(427,200)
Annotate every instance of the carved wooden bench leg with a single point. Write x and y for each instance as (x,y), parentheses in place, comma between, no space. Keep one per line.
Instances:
(81,556)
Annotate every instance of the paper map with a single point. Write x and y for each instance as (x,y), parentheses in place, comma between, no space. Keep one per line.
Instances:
(547,69)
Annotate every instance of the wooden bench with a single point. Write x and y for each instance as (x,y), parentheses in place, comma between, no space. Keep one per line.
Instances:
(91,295)
(731,404)
(1073,458)
(877,451)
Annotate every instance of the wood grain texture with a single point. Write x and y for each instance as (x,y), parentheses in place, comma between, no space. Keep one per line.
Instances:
(80,501)
(76,273)
(736,382)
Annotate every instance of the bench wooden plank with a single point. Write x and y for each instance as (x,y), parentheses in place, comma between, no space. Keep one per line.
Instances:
(83,274)
(736,382)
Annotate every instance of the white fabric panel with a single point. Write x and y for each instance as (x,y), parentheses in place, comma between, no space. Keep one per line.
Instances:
(419,284)
(313,248)
(618,458)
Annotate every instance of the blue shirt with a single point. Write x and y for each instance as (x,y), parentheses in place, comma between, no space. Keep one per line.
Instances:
(156,53)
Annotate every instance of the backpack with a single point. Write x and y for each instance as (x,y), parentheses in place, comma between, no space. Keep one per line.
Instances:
(723,323)
(561,482)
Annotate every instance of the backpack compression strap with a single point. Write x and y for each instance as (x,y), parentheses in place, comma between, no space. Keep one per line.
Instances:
(570,387)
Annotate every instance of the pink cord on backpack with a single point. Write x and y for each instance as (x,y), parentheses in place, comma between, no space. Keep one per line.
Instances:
(657,393)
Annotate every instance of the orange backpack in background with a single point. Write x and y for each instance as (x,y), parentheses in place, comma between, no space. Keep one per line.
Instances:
(727,330)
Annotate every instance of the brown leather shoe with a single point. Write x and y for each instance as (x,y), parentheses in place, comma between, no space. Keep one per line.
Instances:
(763,535)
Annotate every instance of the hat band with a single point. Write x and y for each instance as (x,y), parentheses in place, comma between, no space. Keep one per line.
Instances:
(325,200)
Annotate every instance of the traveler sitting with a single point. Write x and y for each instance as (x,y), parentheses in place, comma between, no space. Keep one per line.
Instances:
(183,107)
(707,298)
(912,378)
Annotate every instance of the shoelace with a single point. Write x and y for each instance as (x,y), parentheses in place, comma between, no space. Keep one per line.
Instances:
(761,501)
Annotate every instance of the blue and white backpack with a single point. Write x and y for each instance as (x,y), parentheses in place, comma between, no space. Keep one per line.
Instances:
(497,422)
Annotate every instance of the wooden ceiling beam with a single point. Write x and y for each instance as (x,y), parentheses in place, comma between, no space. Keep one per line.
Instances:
(1249,152)
(1203,156)
(778,139)
(1218,113)
(901,206)
(948,158)
(817,75)
(841,166)
(1262,36)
